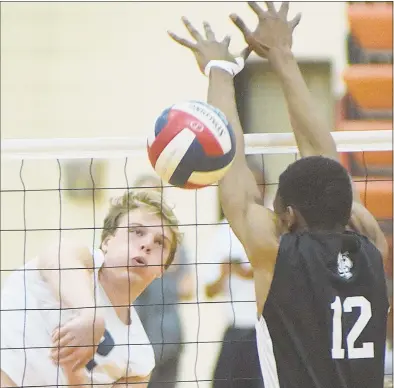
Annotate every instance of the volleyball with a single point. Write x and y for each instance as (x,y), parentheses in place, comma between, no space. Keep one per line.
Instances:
(192,146)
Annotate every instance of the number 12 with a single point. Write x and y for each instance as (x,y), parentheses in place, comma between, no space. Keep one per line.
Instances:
(367,349)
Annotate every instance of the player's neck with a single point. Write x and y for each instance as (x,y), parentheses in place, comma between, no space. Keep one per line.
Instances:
(306,228)
(300,225)
(118,286)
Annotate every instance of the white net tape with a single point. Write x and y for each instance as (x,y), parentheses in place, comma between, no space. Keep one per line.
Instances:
(267,143)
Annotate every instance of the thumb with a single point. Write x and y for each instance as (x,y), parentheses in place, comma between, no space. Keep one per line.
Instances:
(294,23)
(246,52)
(226,41)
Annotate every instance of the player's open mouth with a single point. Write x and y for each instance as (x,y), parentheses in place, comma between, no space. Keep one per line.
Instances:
(139,261)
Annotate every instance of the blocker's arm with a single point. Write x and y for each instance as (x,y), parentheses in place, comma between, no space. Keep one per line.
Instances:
(240,197)
(313,136)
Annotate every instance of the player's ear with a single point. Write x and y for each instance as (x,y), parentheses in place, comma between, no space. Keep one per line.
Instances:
(104,244)
(291,217)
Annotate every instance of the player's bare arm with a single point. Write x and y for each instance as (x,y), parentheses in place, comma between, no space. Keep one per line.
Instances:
(227,268)
(68,271)
(216,287)
(239,270)
(240,197)
(137,382)
(272,39)
(78,378)
(5,381)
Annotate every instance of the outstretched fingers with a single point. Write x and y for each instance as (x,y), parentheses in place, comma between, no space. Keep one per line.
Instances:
(294,23)
(208,31)
(194,33)
(182,41)
(256,8)
(246,52)
(284,9)
(226,41)
(241,25)
(192,30)
(270,6)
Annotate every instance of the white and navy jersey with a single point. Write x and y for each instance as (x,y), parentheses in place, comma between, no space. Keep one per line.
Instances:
(324,321)
(30,312)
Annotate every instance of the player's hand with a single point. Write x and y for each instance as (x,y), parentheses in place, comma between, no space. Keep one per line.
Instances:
(76,341)
(76,377)
(273,31)
(242,272)
(207,48)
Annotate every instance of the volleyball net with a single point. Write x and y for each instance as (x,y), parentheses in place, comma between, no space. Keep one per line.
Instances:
(52,188)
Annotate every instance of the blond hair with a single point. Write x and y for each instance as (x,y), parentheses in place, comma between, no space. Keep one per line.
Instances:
(149,199)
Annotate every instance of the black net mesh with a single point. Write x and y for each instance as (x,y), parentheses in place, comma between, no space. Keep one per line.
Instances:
(190,314)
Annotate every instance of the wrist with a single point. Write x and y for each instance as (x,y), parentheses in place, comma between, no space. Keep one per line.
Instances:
(278,56)
(228,66)
(217,72)
(93,314)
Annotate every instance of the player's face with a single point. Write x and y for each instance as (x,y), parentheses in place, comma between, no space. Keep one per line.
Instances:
(140,245)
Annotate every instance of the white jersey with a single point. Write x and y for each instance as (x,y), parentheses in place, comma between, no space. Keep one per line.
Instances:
(30,312)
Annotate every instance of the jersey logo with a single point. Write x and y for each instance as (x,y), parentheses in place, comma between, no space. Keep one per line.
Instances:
(107,343)
(344,265)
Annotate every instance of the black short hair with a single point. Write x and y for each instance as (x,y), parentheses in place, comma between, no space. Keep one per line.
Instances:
(320,189)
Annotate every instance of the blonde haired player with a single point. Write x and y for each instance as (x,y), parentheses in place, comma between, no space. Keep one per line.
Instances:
(67,316)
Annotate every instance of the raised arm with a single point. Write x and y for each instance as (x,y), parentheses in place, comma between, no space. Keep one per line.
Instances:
(272,40)
(254,225)
(240,197)
(221,94)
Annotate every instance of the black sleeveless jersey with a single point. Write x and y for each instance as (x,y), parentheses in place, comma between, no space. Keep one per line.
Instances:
(324,321)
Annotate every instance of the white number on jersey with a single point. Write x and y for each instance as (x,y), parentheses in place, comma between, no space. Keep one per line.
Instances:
(367,349)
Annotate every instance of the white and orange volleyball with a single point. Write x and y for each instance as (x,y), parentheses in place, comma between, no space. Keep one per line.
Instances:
(192,146)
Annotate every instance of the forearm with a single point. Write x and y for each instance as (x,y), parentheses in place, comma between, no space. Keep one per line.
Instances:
(77,379)
(80,380)
(215,288)
(312,132)
(221,94)
(244,273)
(135,382)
